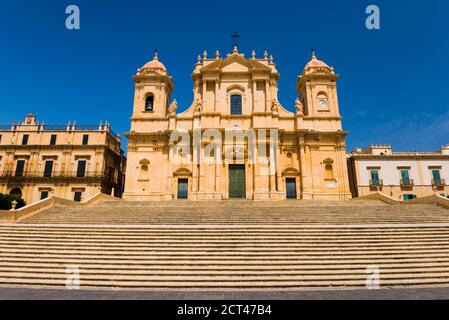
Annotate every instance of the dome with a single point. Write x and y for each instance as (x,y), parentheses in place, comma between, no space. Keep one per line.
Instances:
(155,64)
(316,64)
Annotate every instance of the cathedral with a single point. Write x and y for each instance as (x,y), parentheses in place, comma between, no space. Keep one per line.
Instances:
(236,140)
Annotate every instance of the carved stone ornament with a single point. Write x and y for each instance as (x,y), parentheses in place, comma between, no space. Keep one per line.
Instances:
(173,107)
(198,105)
(275,106)
(299,106)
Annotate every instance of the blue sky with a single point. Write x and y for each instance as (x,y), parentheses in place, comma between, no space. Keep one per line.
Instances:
(393,86)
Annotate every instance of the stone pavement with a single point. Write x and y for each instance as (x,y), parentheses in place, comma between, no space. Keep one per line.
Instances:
(383,294)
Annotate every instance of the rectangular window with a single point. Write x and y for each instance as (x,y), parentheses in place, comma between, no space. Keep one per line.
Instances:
(81,171)
(53,139)
(44,195)
(77,196)
(25,139)
(405,178)
(409,197)
(48,169)
(436,175)
(236,104)
(85,139)
(375,177)
(20,168)
(0,138)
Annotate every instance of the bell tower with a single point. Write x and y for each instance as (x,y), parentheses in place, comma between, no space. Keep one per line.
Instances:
(317,86)
(153,88)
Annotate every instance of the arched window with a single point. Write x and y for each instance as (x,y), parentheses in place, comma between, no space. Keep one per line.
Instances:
(16,192)
(149,103)
(236,104)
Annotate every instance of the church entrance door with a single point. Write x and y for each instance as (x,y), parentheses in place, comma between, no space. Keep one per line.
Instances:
(237,183)
(291,188)
(183,188)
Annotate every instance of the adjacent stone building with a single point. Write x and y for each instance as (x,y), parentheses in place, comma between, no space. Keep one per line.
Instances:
(72,162)
(282,155)
(402,175)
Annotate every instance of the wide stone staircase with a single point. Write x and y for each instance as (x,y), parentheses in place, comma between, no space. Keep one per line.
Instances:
(228,246)
(243,212)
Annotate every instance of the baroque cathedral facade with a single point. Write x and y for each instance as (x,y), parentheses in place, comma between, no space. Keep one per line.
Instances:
(273,154)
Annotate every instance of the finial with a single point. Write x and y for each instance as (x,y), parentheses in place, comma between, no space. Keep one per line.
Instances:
(199,59)
(265,54)
(205,55)
(271,58)
(313,54)
(253,54)
(156,53)
(217,55)
(236,50)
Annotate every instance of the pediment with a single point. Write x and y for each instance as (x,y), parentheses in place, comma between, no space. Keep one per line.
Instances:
(236,63)
(235,66)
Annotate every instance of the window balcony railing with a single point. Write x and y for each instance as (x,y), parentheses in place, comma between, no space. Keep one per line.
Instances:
(53,174)
(407,182)
(376,183)
(438,182)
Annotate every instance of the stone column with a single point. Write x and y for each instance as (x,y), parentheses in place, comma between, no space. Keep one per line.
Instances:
(169,187)
(218,163)
(255,166)
(273,165)
(267,99)
(304,177)
(279,169)
(216,95)
(254,95)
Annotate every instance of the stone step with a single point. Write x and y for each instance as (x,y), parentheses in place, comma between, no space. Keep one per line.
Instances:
(213,243)
(328,261)
(228,245)
(265,284)
(98,268)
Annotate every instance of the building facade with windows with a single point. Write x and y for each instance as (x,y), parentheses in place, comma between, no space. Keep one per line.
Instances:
(401,175)
(236,140)
(72,162)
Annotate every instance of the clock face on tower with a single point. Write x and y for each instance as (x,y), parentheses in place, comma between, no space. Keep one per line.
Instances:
(323,104)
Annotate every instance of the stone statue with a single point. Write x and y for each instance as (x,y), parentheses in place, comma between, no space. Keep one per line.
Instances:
(198,105)
(299,106)
(173,107)
(275,106)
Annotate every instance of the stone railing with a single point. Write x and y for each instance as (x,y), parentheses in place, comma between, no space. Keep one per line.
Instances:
(12,216)
(379,196)
(432,199)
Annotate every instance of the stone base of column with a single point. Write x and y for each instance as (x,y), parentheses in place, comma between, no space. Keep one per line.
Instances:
(306,196)
(168,197)
(154,196)
(261,195)
(205,195)
(277,195)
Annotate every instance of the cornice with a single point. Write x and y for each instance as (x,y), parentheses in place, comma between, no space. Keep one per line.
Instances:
(394,157)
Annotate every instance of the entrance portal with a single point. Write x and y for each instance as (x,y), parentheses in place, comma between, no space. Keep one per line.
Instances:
(183,188)
(291,188)
(237,181)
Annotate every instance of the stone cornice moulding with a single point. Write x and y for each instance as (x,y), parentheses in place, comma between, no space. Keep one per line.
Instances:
(400,157)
